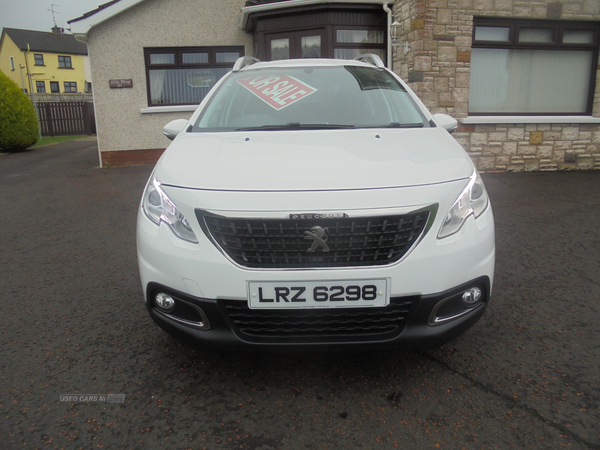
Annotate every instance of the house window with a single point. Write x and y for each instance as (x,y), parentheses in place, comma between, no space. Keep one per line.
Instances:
(348,43)
(533,67)
(40,86)
(12,63)
(352,42)
(64,62)
(299,44)
(54,87)
(227,57)
(88,87)
(319,30)
(184,75)
(70,87)
(38,59)
(280,49)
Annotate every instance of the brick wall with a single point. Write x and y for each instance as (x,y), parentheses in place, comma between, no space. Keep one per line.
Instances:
(434,58)
(130,158)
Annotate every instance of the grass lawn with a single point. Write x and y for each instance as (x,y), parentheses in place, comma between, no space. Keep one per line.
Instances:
(54,140)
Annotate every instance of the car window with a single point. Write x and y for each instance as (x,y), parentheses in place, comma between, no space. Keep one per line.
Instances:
(309,97)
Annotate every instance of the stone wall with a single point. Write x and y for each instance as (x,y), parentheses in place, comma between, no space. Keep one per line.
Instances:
(435,52)
(434,58)
(531,147)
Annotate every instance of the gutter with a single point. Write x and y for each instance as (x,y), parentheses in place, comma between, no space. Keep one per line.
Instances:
(35,106)
(390,17)
(81,37)
(28,73)
(80,27)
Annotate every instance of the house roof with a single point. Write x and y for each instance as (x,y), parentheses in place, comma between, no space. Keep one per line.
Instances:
(265,6)
(94,11)
(42,41)
(82,25)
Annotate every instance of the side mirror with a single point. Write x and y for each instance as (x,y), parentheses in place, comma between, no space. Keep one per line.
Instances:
(173,128)
(446,122)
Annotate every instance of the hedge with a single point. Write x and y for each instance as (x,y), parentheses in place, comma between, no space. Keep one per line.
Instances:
(18,122)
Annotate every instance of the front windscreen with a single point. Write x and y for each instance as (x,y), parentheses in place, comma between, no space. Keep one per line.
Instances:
(309,97)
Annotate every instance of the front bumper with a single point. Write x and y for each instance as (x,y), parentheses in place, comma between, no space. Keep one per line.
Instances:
(434,270)
(410,322)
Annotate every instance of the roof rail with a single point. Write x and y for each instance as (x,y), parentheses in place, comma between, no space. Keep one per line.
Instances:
(243,62)
(371,58)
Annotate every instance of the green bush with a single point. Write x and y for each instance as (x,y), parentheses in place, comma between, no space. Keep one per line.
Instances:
(18,122)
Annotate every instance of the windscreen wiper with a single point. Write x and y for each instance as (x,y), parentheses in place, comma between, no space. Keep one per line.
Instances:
(297,126)
(398,125)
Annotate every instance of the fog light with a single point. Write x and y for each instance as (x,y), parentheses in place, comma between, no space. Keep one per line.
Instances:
(164,302)
(471,296)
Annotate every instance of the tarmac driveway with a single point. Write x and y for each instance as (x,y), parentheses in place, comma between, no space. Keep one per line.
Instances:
(73,322)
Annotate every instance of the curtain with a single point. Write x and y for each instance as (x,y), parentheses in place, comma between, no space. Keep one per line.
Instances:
(529,81)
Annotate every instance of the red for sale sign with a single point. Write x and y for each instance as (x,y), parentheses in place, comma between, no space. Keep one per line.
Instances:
(278,91)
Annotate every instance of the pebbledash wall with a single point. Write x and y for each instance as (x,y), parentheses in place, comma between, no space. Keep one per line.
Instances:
(434,57)
(130,132)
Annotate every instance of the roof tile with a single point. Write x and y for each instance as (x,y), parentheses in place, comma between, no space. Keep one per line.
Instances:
(42,41)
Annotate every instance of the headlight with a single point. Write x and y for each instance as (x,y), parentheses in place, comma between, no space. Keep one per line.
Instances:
(473,200)
(159,208)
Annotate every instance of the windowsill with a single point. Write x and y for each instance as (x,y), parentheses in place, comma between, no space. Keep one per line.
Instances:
(483,120)
(69,68)
(168,109)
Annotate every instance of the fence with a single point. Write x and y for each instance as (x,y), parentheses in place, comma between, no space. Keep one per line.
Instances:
(78,97)
(66,118)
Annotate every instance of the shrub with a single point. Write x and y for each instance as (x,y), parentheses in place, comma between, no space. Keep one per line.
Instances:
(18,122)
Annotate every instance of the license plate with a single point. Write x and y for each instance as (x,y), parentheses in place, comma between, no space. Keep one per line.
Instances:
(318,294)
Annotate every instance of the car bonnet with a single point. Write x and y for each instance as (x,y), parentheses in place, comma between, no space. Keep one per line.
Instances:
(313,160)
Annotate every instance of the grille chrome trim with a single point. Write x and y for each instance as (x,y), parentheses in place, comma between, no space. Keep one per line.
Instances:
(223,231)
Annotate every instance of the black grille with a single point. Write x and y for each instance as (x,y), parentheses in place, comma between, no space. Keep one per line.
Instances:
(330,242)
(292,324)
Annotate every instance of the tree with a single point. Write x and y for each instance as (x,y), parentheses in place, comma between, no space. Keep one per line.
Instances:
(18,122)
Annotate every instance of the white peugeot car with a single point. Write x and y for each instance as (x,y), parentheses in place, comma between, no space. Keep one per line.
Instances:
(309,203)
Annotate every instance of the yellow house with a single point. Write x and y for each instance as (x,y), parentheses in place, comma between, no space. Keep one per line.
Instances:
(43,62)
